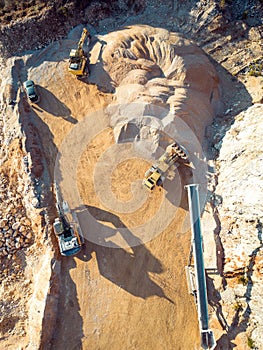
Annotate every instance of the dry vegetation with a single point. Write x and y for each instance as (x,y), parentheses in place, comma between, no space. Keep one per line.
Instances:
(12,10)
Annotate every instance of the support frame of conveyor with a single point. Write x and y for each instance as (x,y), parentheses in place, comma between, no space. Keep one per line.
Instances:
(207,335)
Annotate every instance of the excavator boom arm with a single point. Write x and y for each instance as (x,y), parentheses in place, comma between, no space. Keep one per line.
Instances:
(82,39)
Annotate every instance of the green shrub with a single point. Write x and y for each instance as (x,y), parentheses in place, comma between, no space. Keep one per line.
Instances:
(250,343)
(238,306)
(222,4)
(245,14)
(63,10)
(243,279)
(255,69)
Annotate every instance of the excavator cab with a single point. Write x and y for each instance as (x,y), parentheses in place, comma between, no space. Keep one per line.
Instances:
(69,239)
(153,177)
(77,65)
(77,59)
(58,227)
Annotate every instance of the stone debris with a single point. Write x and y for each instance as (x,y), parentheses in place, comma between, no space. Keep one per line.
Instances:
(15,226)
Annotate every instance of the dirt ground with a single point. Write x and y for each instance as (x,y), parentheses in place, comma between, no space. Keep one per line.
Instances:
(113,297)
(116,295)
(133,298)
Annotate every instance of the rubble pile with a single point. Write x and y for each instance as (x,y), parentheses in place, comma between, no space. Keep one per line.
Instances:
(164,75)
(53,21)
(15,227)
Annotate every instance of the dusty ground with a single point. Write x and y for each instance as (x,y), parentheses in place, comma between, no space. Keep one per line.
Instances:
(118,291)
(139,293)
(136,297)
(126,287)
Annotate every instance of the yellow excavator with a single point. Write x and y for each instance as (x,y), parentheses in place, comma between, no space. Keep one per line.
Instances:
(77,58)
(156,174)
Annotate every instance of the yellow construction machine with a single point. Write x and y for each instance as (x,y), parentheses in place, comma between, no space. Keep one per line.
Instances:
(77,58)
(156,174)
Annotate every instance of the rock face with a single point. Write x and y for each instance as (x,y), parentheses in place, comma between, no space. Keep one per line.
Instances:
(23,230)
(240,185)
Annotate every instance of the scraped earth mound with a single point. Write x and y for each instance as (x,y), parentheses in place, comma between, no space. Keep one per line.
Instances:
(166,75)
(163,87)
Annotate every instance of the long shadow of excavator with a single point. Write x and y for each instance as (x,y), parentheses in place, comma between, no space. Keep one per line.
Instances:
(51,104)
(128,268)
(68,321)
(97,74)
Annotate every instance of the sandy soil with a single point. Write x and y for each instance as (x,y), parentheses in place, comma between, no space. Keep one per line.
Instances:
(127,289)
(113,295)
(130,299)
(126,297)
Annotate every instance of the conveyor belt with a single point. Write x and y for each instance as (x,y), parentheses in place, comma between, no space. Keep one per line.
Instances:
(207,336)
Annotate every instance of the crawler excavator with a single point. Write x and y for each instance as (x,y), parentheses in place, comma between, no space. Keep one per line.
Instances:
(156,174)
(77,59)
(68,232)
